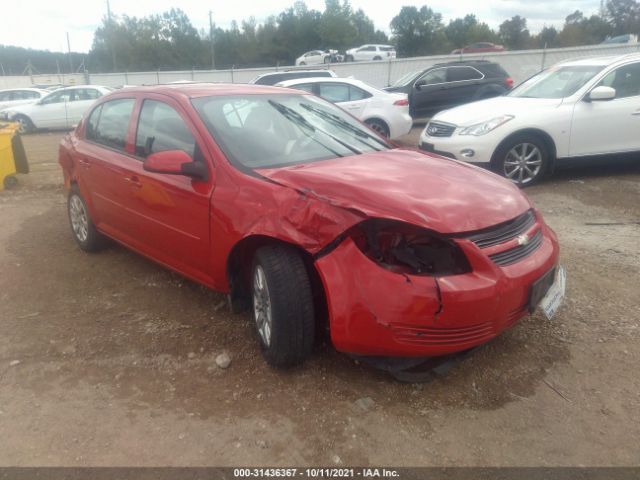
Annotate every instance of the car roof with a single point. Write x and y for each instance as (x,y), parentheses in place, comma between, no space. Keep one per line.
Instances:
(297,81)
(291,70)
(600,61)
(196,90)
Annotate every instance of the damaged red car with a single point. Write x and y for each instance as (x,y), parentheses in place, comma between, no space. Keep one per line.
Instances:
(306,217)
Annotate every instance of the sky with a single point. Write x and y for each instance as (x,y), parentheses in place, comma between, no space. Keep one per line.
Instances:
(43,24)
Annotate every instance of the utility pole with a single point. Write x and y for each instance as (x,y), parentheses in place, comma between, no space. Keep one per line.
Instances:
(213,58)
(70,58)
(111,36)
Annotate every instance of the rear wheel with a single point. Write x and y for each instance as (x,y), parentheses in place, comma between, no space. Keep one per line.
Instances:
(82,227)
(523,160)
(302,63)
(282,305)
(377,58)
(25,124)
(378,126)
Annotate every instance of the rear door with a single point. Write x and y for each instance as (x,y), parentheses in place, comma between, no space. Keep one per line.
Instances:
(352,99)
(171,212)
(462,84)
(103,161)
(80,101)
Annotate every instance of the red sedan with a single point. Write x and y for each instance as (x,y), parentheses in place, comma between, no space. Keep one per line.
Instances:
(308,218)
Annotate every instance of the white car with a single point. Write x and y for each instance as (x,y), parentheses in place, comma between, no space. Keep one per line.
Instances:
(315,57)
(20,96)
(62,108)
(370,52)
(386,113)
(572,110)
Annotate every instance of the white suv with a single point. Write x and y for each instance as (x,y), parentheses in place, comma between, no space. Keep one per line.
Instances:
(370,52)
(571,110)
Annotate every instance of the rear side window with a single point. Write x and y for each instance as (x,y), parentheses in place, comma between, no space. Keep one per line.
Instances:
(458,74)
(356,93)
(433,77)
(85,94)
(109,123)
(387,49)
(161,128)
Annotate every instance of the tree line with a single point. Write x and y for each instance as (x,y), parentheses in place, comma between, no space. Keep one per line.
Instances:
(169,41)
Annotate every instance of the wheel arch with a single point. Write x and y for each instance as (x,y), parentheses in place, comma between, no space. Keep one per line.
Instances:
(238,270)
(378,119)
(537,132)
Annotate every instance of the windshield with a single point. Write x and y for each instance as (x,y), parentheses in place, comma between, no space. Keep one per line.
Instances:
(406,78)
(266,131)
(556,82)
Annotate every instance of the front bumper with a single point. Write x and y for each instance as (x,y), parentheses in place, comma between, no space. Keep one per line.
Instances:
(455,146)
(375,312)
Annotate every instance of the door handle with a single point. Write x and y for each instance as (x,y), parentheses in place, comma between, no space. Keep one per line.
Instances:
(133,180)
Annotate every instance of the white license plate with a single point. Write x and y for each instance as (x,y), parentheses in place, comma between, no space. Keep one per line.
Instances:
(554,296)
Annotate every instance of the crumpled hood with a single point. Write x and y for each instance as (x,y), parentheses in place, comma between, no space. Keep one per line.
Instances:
(483,110)
(444,195)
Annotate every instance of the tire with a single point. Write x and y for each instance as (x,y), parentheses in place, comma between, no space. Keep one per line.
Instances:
(378,126)
(377,58)
(327,60)
(510,159)
(282,305)
(302,64)
(26,125)
(82,227)
(10,181)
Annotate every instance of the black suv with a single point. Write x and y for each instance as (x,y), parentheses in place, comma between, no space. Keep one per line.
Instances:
(447,85)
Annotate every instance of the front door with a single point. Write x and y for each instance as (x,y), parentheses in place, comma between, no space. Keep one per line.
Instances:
(609,126)
(428,92)
(51,111)
(171,211)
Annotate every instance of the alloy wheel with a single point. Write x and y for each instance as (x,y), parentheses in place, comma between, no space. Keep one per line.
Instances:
(523,163)
(262,305)
(79,218)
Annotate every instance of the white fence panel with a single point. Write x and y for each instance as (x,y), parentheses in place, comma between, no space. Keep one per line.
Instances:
(519,64)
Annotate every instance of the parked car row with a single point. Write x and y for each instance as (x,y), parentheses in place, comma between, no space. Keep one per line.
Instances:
(364,53)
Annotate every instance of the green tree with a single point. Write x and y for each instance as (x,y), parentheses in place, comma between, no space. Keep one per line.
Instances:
(418,32)
(624,16)
(514,33)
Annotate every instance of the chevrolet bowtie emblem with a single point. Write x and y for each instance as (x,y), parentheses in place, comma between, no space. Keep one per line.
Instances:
(523,239)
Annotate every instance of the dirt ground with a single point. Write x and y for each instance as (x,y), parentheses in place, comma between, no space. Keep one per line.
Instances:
(108,359)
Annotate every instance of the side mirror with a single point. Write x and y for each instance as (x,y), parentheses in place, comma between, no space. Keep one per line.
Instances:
(420,83)
(175,162)
(602,93)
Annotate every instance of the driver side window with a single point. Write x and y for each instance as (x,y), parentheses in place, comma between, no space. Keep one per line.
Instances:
(57,97)
(161,128)
(432,77)
(625,80)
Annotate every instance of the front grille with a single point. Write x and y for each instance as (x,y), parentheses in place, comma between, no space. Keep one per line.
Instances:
(441,335)
(516,254)
(437,129)
(504,232)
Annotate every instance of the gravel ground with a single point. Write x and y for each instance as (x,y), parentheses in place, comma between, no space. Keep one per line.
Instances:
(109,359)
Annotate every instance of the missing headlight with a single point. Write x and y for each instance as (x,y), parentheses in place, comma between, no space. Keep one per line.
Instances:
(405,248)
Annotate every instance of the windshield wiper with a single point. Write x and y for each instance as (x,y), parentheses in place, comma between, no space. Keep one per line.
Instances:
(339,121)
(299,120)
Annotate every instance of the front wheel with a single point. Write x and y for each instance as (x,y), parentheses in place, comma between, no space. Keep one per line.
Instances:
(523,160)
(82,227)
(282,305)
(302,64)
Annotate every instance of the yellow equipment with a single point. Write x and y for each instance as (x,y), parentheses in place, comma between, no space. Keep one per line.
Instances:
(13,158)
